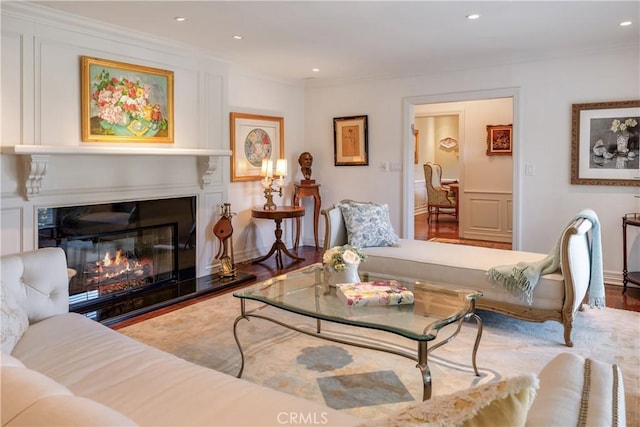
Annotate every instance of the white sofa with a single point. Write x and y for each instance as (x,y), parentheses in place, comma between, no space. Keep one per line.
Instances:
(557,296)
(61,369)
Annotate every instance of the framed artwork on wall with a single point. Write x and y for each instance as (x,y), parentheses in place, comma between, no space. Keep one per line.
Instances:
(605,146)
(254,138)
(350,141)
(499,140)
(125,103)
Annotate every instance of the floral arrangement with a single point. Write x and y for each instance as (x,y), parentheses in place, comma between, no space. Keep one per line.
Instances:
(338,257)
(623,126)
(121,101)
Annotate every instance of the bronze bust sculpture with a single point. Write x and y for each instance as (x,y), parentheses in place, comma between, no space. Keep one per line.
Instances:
(305,161)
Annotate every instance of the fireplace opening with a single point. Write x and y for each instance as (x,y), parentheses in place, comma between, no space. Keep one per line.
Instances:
(124,257)
(115,263)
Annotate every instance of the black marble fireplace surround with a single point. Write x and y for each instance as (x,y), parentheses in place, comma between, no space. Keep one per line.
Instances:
(127,258)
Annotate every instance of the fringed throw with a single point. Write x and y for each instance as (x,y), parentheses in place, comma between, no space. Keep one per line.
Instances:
(521,279)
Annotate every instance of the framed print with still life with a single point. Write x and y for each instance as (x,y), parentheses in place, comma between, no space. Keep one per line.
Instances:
(605,143)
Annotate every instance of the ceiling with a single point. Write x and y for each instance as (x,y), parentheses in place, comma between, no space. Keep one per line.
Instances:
(347,41)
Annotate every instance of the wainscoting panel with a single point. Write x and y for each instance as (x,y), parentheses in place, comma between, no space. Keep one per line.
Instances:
(419,197)
(486,216)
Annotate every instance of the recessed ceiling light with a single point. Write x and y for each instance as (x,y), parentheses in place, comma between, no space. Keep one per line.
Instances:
(237,37)
(180,18)
(625,23)
(315,70)
(473,16)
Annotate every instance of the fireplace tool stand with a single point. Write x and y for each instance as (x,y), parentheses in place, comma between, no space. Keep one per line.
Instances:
(223,230)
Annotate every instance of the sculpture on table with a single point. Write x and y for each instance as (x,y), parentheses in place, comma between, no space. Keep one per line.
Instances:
(223,230)
(305,161)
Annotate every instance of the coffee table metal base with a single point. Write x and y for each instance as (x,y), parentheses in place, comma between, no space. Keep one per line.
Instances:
(421,357)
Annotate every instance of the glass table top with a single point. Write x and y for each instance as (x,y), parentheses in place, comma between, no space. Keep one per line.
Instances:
(307,293)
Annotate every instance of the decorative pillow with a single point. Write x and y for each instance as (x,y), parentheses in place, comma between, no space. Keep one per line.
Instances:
(503,403)
(368,225)
(14,321)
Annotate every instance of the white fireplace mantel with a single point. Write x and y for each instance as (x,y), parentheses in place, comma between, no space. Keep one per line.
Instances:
(37,159)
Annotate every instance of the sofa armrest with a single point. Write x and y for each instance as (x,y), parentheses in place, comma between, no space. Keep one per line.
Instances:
(38,280)
(335,232)
(578,391)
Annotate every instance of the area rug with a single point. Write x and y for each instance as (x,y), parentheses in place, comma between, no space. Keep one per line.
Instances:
(372,383)
(471,242)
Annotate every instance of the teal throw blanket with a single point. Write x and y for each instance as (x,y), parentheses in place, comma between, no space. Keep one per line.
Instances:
(521,279)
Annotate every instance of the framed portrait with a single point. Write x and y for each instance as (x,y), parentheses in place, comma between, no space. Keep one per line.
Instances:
(125,103)
(350,141)
(499,140)
(605,143)
(254,138)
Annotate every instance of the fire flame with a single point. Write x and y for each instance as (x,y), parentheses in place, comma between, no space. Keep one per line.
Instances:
(120,260)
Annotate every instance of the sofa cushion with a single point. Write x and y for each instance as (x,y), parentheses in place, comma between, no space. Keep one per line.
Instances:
(43,402)
(14,321)
(153,387)
(503,403)
(69,410)
(368,225)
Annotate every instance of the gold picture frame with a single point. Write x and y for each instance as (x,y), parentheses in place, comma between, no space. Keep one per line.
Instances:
(605,143)
(254,138)
(123,102)
(350,141)
(499,140)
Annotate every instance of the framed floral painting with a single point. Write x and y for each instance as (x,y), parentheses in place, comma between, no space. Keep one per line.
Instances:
(605,143)
(125,103)
(350,141)
(254,138)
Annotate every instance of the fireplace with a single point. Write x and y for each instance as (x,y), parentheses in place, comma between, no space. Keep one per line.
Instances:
(124,257)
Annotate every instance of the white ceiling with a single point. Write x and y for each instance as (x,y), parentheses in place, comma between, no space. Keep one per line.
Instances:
(375,39)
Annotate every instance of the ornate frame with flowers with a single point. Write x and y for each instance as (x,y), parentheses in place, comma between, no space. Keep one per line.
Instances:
(125,103)
(605,143)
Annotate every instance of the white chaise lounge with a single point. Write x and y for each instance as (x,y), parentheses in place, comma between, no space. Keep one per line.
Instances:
(557,296)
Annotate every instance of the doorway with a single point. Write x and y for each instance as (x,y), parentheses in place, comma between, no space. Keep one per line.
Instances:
(473,163)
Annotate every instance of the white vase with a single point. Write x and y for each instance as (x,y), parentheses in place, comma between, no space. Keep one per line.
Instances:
(348,275)
(622,144)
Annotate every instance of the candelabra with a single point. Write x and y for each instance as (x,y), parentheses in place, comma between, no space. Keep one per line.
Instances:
(268,180)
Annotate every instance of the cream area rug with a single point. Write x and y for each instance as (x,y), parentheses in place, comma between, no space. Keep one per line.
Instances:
(372,383)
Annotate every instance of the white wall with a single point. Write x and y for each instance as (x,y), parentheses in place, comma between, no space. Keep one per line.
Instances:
(547,90)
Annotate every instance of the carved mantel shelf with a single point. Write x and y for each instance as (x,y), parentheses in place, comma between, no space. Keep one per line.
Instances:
(37,159)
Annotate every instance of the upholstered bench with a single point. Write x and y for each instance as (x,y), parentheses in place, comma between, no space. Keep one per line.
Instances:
(557,296)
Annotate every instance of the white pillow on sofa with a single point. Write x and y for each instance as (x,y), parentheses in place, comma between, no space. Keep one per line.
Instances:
(14,321)
(502,403)
(368,225)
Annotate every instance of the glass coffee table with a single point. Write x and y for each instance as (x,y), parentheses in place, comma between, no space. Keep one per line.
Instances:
(305,292)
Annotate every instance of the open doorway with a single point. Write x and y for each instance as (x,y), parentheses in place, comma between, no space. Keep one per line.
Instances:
(488,198)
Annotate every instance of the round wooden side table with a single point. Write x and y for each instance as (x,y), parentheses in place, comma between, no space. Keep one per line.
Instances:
(277,215)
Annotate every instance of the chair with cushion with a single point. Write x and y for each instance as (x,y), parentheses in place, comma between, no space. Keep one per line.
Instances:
(438,200)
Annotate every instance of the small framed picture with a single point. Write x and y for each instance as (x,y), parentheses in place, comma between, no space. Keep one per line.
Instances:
(350,141)
(254,138)
(499,140)
(605,143)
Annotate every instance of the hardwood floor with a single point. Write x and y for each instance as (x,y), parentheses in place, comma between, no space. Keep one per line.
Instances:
(614,297)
